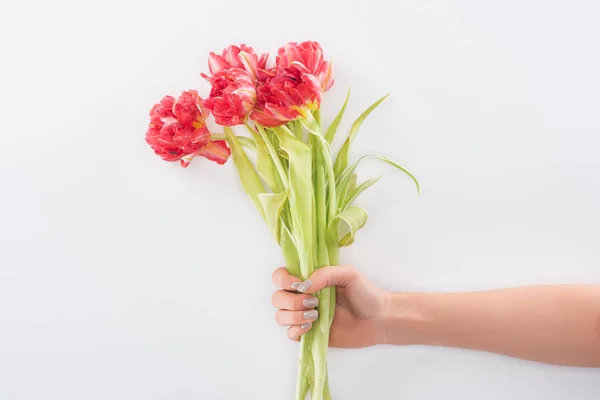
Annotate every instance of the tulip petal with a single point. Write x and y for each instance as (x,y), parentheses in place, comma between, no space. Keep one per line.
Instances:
(216,150)
(216,63)
(230,55)
(250,63)
(273,115)
(325,76)
(185,161)
(310,91)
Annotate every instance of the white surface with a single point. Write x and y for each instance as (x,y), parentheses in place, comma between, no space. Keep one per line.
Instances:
(124,277)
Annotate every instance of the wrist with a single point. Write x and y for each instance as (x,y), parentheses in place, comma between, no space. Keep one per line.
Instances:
(408,319)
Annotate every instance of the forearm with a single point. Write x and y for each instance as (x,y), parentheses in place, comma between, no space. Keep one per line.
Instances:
(550,324)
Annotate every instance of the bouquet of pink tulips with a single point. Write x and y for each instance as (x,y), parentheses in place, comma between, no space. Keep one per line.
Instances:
(304,194)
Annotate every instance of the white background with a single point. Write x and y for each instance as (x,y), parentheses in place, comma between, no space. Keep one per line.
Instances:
(125,277)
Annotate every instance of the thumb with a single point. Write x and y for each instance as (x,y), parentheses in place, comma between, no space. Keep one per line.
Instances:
(342,276)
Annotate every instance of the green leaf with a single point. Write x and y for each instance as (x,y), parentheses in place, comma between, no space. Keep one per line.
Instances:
(282,154)
(343,193)
(327,164)
(353,193)
(344,179)
(324,151)
(330,134)
(297,124)
(290,252)
(272,205)
(281,171)
(248,176)
(352,181)
(354,217)
(341,160)
(264,164)
(300,197)
(359,121)
(320,220)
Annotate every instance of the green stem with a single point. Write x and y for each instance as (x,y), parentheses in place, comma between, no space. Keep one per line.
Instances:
(316,249)
(320,340)
(314,120)
(321,209)
(319,353)
(328,165)
(305,373)
(244,141)
(317,116)
(327,394)
(298,129)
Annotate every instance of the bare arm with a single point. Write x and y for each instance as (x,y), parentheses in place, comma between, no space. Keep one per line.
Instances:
(557,324)
(554,324)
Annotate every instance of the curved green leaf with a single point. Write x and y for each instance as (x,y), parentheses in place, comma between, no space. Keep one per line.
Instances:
(359,121)
(332,129)
(275,160)
(354,217)
(248,176)
(353,193)
(272,204)
(264,164)
(290,251)
(300,197)
(343,192)
(341,161)
(344,178)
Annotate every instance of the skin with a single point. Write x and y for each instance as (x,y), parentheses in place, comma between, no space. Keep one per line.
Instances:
(553,324)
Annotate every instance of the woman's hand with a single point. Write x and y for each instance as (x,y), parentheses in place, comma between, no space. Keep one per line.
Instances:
(554,324)
(360,306)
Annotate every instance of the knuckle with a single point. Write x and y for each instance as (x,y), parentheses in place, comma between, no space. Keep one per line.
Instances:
(351,272)
(285,300)
(295,302)
(299,318)
(299,302)
(288,318)
(279,317)
(274,298)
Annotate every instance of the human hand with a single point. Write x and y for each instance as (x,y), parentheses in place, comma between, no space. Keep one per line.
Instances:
(359,313)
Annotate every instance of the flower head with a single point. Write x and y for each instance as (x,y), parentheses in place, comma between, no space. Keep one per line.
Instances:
(242,57)
(284,96)
(177,131)
(306,57)
(232,96)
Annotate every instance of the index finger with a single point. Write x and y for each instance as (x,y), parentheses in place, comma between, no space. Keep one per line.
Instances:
(283,279)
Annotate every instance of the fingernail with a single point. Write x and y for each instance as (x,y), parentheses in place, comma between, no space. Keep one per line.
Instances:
(306,326)
(310,302)
(302,286)
(311,315)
